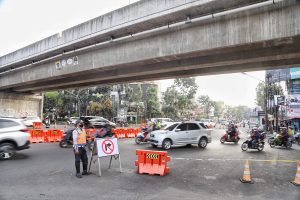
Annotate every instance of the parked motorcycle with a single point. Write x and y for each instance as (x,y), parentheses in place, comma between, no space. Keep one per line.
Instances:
(67,140)
(143,137)
(259,145)
(227,138)
(276,141)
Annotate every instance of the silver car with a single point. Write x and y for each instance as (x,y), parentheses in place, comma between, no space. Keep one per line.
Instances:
(13,137)
(181,133)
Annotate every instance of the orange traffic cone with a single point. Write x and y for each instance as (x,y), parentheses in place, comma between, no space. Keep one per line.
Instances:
(246,176)
(297,177)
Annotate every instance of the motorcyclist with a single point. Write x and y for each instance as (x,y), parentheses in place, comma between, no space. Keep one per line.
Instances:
(255,136)
(284,135)
(231,131)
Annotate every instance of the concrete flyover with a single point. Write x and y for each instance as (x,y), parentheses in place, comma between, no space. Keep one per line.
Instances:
(154,40)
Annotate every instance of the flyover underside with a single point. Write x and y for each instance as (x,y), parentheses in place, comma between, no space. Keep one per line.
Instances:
(258,39)
(279,53)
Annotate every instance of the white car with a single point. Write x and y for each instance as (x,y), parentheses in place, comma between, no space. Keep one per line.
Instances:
(13,137)
(164,122)
(28,121)
(181,133)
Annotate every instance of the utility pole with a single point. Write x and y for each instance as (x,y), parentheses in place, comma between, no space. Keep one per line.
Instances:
(266,102)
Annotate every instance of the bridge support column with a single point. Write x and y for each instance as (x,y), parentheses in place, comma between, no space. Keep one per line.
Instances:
(21,105)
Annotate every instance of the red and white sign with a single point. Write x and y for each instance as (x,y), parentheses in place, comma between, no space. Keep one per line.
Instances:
(107,147)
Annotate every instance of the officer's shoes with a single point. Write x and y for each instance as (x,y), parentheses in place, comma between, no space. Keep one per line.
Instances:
(84,173)
(78,175)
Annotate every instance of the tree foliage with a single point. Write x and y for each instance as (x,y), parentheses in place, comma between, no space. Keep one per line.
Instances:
(179,99)
(153,105)
(207,104)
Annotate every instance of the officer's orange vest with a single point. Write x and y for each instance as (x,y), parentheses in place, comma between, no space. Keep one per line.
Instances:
(81,138)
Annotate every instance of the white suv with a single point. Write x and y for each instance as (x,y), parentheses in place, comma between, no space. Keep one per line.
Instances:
(181,133)
(13,137)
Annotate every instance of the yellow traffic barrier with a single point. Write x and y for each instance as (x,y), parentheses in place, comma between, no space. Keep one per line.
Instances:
(297,177)
(246,175)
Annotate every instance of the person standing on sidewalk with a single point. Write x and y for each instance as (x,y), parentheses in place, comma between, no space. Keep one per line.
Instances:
(79,143)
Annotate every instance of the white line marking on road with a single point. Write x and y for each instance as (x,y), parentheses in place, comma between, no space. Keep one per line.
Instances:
(210,177)
(237,159)
(259,180)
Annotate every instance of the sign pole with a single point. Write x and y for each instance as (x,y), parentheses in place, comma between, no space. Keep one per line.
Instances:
(99,165)
(120,163)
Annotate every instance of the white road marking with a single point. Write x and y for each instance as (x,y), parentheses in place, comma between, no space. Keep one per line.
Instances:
(210,177)
(259,180)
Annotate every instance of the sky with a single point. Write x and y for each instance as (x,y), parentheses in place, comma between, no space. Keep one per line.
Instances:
(24,22)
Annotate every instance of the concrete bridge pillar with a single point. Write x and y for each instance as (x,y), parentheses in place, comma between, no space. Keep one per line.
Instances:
(21,105)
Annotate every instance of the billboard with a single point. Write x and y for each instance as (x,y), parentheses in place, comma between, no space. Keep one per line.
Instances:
(282,74)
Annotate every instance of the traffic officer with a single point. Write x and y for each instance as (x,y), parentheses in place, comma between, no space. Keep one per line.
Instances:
(79,143)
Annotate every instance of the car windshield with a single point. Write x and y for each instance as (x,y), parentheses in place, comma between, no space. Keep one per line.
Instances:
(171,127)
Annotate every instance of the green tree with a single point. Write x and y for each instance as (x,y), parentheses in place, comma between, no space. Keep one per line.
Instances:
(153,105)
(179,99)
(260,95)
(272,89)
(219,109)
(170,102)
(207,104)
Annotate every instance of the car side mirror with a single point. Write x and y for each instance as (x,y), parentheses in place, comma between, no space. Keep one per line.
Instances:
(177,129)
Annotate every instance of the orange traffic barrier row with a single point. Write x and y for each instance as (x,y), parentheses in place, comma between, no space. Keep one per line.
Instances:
(126,133)
(37,125)
(41,136)
(152,162)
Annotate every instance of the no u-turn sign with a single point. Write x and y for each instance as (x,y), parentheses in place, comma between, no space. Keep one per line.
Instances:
(107,147)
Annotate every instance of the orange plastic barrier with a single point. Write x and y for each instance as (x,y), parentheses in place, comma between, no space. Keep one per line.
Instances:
(130,133)
(53,136)
(37,125)
(36,136)
(152,162)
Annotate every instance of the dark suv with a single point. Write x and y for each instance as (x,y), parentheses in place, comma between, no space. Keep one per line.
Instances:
(96,122)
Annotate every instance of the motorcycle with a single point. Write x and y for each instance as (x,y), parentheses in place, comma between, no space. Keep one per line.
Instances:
(297,138)
(226,138)
(99,134)
(276,141)
(259,145)
(67,140)
(143,137)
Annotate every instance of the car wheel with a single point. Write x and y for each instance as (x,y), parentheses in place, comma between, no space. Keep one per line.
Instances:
(202,142)
(7,151)
(188,145)
(166,144)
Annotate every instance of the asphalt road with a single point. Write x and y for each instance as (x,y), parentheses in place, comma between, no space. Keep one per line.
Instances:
(46,171)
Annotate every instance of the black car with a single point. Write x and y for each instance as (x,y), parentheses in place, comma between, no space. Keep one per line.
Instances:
(96,122)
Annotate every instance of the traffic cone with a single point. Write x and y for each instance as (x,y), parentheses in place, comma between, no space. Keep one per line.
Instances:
(297,177)
(246,176)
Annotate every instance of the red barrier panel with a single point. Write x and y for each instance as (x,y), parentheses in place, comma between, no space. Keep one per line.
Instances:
(36,136)
(53,136)
(130,133)
(152,162)
(37,125)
